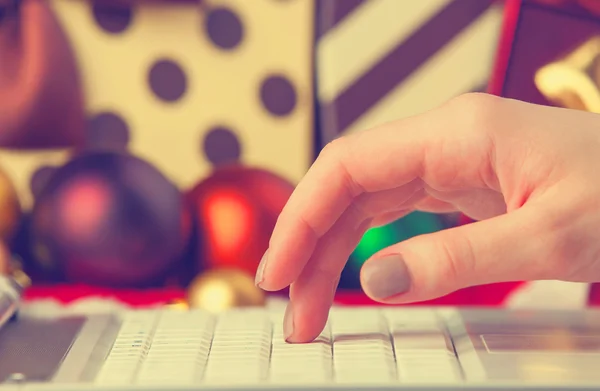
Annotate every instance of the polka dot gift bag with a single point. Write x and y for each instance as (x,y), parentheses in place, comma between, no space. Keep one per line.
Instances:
(186,85)
(195,84)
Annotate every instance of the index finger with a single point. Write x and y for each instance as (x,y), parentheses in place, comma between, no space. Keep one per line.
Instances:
(438,146)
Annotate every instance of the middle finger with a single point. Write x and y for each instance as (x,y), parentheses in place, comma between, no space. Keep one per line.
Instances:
(311,295)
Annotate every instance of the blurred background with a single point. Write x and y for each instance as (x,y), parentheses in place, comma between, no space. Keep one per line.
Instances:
(152,143)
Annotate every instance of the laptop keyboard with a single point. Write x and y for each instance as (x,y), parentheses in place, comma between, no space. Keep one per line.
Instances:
(245,347)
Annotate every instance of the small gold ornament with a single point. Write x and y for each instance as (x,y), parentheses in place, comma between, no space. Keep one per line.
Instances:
(11,265)
(5,260)
(10,208)
(178,304)
(221,289)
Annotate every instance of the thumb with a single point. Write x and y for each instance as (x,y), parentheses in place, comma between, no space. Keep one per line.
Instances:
(509,247)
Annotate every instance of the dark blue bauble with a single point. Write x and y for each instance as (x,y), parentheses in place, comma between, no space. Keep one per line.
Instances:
(109,218)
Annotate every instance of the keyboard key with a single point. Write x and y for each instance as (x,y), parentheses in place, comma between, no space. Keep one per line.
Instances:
(356,322)
(421,342)
(362,347)
(130,348)
(242,340)
(429,371)
(371,376)
(424,351)
(309,363)
(179,348)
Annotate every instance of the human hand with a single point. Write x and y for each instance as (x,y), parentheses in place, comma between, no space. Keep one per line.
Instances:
(530,173)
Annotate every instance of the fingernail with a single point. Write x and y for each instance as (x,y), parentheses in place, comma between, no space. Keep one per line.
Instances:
(288,322)
(261,270)
(386,276)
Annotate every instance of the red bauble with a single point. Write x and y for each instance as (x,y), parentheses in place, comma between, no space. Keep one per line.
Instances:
(236,210)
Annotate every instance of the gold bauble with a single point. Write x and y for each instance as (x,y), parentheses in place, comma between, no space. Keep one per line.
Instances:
(221,289)
(5,260)
(178,304)
(10,208)
(11,265)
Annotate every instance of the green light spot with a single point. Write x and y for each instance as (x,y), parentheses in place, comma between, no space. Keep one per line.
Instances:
(376,239)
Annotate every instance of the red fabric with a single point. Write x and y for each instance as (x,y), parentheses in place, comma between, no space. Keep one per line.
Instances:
(490,295)
(594,295)
(69,293)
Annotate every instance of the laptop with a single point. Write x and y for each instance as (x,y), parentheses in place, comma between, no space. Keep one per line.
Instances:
(361,348)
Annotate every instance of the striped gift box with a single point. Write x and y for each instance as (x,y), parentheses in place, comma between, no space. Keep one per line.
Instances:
(379,60)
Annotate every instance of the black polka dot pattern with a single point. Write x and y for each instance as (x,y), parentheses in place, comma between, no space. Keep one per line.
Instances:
(169,83)
(224,28)
(107,130)
(221,146)
(112,18)
(8,8)
(167,80)
(40,178)
(278,95)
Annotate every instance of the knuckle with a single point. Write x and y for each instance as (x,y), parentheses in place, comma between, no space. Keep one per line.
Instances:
(457,258)
(312,229)
(361,210)
(444,261)
(334,149)
(335,154)
(479,111)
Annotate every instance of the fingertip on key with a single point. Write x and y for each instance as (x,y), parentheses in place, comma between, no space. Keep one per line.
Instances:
(288,323)
(260,271)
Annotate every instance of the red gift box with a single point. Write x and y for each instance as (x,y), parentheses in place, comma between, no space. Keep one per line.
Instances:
(536,33)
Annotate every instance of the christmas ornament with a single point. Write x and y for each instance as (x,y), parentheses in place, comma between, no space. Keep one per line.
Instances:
(5,259)
(220,289)
(236,209)
(10,208)
(109,218)
(178,304)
